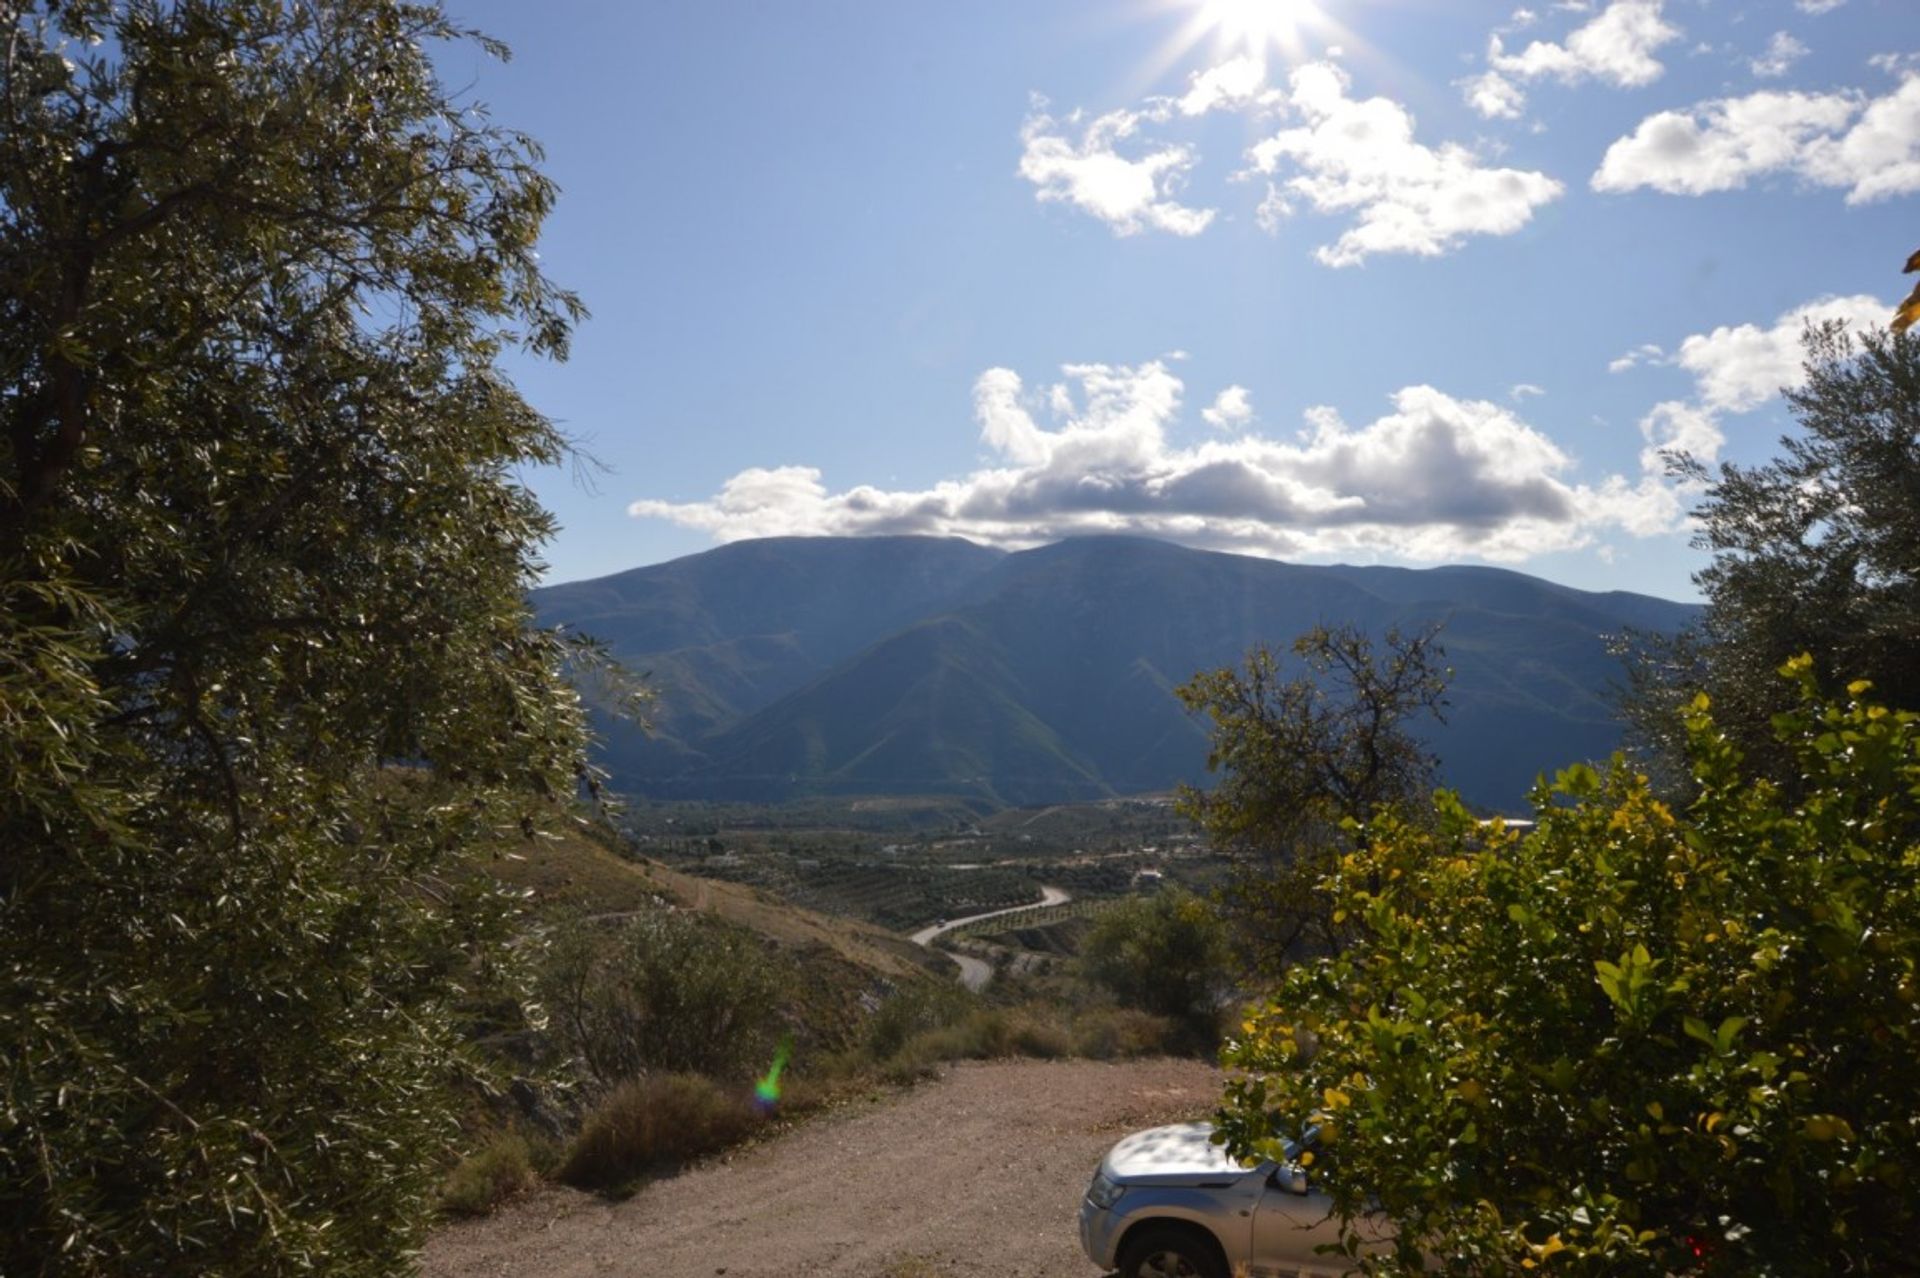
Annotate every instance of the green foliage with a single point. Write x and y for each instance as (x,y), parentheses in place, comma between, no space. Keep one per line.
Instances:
(914,1010)
(1816,552)
(1304,761)
(664,990)
(654,1124)
(265,669)
(1165,954)
(1632,1027)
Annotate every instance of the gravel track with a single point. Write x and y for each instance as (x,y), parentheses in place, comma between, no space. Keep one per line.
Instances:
(978,1173)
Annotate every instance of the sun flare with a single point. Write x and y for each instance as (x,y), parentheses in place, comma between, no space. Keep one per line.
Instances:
(1257,26)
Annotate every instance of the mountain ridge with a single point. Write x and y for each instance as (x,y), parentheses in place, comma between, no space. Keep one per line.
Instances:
(790,667)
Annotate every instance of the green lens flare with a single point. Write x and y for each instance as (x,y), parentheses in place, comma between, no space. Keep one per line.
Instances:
(768,1088)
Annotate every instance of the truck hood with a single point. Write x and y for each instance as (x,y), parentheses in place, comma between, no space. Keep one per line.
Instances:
(1182,1154)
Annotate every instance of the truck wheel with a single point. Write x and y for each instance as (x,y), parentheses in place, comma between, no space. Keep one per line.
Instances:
(1170,1253)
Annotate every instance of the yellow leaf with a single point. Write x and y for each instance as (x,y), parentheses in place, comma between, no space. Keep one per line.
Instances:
(1654,1109)
(1337,1099)
(1909,311)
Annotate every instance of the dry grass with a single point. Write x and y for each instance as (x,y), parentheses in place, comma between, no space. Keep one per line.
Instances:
(654,1124)
(491,1175)
(579,870)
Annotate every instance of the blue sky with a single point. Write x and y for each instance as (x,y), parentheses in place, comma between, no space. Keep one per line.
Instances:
(1394,281)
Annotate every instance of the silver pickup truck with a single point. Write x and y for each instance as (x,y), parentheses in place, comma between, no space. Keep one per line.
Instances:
(1169,1203)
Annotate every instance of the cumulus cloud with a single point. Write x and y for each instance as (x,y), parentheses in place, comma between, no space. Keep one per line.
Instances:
(1781,53)
(1128,194)
(1436,478)
(1236,84)
(1359,156)
(1869,146)
(1340,155)
(1616,48)
(1231,409)
(1736,368)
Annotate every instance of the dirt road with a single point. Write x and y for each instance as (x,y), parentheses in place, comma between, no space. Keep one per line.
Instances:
(979,1173)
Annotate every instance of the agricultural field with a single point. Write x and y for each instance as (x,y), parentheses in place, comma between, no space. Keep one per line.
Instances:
(902,864)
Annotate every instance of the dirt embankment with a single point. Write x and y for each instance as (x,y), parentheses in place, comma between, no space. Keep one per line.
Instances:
(979,1173)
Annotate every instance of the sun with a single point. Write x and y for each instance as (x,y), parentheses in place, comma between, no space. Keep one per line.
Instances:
(1256,26)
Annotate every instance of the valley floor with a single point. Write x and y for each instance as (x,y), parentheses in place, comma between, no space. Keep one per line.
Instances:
(978,1173)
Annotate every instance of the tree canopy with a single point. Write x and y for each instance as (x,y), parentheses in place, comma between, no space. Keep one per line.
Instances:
(1303,761)
(1635,1034)
(1817,551)
(266,674)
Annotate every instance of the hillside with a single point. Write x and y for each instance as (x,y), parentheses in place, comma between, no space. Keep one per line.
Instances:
(809,666)
(841,963)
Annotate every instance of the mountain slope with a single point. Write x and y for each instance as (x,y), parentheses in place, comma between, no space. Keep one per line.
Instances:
(727,632)
(922,666)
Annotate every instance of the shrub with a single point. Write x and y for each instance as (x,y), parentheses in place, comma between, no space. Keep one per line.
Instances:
(1117,1033)
(665,991)
(660,1121)
(1165,954)
(913,1010)
(484,1179)
(1633,1027)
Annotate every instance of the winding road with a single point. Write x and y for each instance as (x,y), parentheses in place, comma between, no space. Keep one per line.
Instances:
(974,974)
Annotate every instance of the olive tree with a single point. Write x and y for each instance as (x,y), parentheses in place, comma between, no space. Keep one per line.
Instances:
(1816,551)
(266,673)
(1637,1038)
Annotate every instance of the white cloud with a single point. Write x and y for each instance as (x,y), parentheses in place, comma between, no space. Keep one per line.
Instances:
(1436,478)
(1523,390)
(1494,96)
(1678,426)
(1781,53)
(1129,195)
(1359,156)
(1871,147)
(1645,353)
(1236,84)
(1895,63)
(1231,409)
(1616,48)
(1817,6)
(1736,369)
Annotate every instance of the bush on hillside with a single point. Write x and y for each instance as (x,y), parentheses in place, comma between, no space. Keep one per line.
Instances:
(1165,954)
(663,991)
(483,1180)
(655,1123)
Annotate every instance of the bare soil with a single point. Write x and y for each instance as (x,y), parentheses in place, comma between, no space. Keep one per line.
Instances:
(980,1172)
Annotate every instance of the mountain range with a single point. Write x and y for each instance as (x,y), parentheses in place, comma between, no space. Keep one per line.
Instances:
(805,666)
